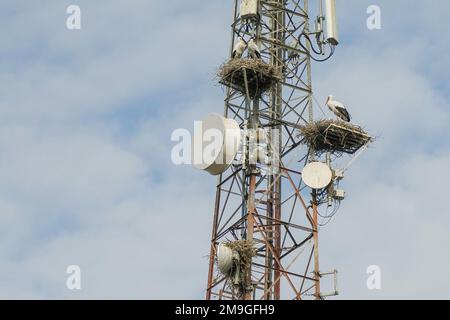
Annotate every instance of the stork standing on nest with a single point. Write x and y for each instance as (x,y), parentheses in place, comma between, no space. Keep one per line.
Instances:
(253,50)
(338,109)
(239,49)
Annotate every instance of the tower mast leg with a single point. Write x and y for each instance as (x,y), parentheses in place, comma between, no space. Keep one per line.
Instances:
(212,250)
(250,229)
(278,24)
(316,246)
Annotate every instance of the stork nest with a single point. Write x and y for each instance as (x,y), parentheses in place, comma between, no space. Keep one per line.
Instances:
(260,76)
(246,251)
(335,136)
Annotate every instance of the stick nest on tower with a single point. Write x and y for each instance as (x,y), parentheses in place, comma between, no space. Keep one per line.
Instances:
(260,76)
(334,136)
(246,251)
(237,277)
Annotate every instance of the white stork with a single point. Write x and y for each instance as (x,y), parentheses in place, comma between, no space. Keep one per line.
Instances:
(253,50)
(338,109)
(239,49)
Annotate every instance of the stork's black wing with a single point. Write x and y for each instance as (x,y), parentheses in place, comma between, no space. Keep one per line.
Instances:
(345,115)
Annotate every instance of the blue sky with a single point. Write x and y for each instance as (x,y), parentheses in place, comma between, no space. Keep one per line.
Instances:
(85,124)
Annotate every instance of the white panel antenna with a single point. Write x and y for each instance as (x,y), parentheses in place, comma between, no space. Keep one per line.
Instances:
(249,9)
(330,18)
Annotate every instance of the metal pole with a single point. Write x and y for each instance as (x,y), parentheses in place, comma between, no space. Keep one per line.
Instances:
(250,227)
(314,195)
(212,250)
(308,68)
(279,25)
(213,245)
(316,246)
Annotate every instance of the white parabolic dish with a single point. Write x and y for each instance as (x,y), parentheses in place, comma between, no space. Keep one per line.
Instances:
(224,258)
(229,144)
(317,175)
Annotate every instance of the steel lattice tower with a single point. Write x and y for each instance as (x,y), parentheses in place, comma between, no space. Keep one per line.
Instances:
(276,211)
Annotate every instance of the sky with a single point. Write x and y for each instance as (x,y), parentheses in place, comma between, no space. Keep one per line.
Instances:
(86,176)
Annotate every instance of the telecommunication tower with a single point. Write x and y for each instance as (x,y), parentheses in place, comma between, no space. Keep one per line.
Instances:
(265,231)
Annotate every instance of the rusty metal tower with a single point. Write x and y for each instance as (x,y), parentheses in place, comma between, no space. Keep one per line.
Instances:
(272,209)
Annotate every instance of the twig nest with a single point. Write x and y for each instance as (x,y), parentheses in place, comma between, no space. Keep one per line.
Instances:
(243,253)
(260,76)
(335,136)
